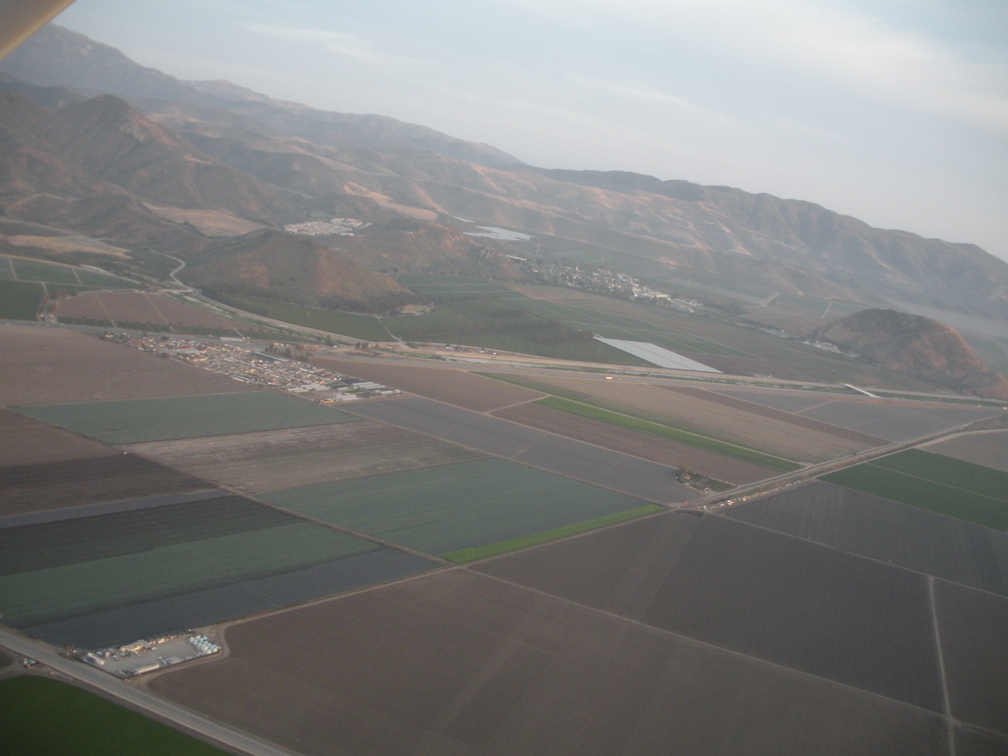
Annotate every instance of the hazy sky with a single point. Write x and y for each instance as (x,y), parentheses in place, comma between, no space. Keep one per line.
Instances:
(894,111)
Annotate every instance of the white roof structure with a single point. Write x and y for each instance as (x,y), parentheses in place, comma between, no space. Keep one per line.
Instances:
(657,355)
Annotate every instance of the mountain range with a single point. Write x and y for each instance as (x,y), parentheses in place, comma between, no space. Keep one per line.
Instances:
(95,143)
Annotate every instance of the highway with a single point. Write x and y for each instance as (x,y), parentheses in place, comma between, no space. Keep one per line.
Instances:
(184,719)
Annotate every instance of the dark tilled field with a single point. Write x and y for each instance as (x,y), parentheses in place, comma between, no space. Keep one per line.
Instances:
(634,443)
(777,598)
(458,663)
(25,441)
(973,627)
(79,482)
(564,456)
(886,530)
(235,599)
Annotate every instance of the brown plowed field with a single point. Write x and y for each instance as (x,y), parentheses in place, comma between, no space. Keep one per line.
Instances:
(631,442)
(862,439)
(458,663)
(987,448)
(55,365)
(139,307)
(711,417)
(273,460)
(25,441)
(446,384)
(74,483)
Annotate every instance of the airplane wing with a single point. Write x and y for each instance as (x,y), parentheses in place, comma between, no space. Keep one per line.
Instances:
(19,19)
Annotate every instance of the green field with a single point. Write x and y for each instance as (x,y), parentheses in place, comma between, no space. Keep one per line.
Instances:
(139,420)
(443,510)
(37,596)
(98,280)
(365,327)
(19,300)
(935,482)
(43,716)
(36,270)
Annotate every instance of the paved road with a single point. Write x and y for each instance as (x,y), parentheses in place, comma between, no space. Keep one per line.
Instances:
(184,718)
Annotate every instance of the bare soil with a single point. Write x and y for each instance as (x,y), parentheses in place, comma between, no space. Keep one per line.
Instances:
(140,307)
(24,441)
(446,384)
(273,460)
(458,663)
(50,365)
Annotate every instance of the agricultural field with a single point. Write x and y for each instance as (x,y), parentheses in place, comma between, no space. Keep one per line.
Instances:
(110,578)
(80,482)
(709,416)
(886,530)
(19,300)
(445,384)
(481,666)
(272,460)
(455,511)
(156,311)
(139,420)
(25,441)
(931,481)
(987,448)
(366,327)
(88,724)
(971,625)
(807,607)
(46,365)
(574,459)
(639,444)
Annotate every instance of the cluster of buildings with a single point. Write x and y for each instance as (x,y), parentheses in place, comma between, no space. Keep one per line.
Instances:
(149,655)
(275,366)
(601,281)
(334,226)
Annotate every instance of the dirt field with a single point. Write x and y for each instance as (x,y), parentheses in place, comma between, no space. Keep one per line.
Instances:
(139,307)
(811,608)
(711,416)
(25,441)
(47,365)
(987,448)
(638,444)
(972,625)
(446,384)
(272,460)
(457,663)
(79,482)
(888,531)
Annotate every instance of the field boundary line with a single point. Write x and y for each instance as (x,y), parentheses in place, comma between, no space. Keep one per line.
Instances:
(949,719)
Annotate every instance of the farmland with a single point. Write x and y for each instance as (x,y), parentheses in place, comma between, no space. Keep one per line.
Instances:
(156,311)
(26,441)
(989,448)
(452,385)
(574,459)
(886,530)
(446,509)
(88,725)
(277,459)
(107,578)
(19,300)
(931,481)
(828,613)
(44,365)
(527,673)
(135,421)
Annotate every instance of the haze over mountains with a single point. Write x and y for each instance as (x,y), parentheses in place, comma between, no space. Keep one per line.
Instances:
(178,164)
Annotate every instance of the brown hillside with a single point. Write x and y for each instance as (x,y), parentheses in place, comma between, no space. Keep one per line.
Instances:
(278,265)
(916,345)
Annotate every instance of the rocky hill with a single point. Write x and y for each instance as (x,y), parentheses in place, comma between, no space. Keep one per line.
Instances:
(916,345)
